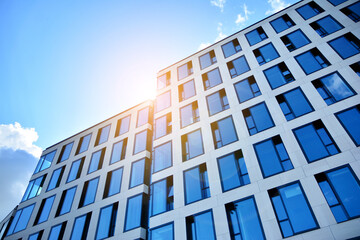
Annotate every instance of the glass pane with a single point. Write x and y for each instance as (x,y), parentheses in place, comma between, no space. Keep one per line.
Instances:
(204,226)
(261,117)
(95,161)
(133,212)
(162,233)
(104,134)
(351,120)
(187,116)
(275,77)
(85,143)
(227,131)
(163,101)
(104,222)
(189,89)
(228,49)
(55,232)
(137,173)
(298,102)
(344,47)
(244,91)
(268,158)
(66,152)
(24,218)
(74,170)
(214,103)
(140,142)
(228,172)
(192,185)
(117,152)
(241,65)
(308,62)
(205,60)
(159,197)
(115,183)
(214,78)
(91,191)
(46,209)
(68,200)
(195,144)
(337,86)
(78,228)
(298,39)
(268,52)
(125,124)
(54,179)
(162,157)
(143,117)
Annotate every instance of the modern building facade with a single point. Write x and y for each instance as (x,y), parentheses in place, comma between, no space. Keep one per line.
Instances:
(254,137)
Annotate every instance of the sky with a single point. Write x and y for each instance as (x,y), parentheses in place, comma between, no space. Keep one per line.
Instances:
(67,65)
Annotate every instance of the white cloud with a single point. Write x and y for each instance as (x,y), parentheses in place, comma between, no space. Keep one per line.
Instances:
(15,137)
(218,3)
(220,36)
(276,5)
(242,18)
(203,45)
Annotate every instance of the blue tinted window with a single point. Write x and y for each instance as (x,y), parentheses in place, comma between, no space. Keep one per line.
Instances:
(140,141)
(352,11)
(294,104)
(223,132)
(336,2)
(45,161)
(163,126)
(231,48)
(164,232)
(233,171)
(137,173)
(186,90)
(20,220)
(118,151)
(164,80)
(185,70)
(56,178)
(189,114)
(89,192)
(196,184)
(66,201)
(83,144)
(333,88)
(143,116)
(295,40)
(81,227)
(356,68)
(207,59)
(75,170)
(256,36)
(102,136)
(113,182)
(200,226)
(247,89)
(282,23)
(292,210)
(57,232)
(192,145)
(65,152)
(257,118)
(243,219)
(315,134)
(217,102)
(346,46)
(35,236)
(163,101)
(107,221)
(326,26)
(162,157)
(309,10)
(278,75)
(134,212)
(96,161)
(122,126)
(162,196)
(211,79)
(272,156)
(44,210)
(350,119)
(265,53)
(238,66)
(312,61)
(34,188)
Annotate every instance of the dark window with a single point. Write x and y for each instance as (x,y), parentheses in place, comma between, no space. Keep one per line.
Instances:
(247,89)
(56,178)
(238,66)
(35,236)
(118,151)
(163,126)
(89,192)
(196,184)
(336,2)
(309,10)
(333,88)
(356,68)
(162,196)
(185,70)
(81,227)
(256,36)
(162,157)
(189,114)
(265,53)
(138,170)
(244,221)
(44,210)
(233,171)
(83,144)
(102,135)
(66,200)
(200,226)
(207,59)
(278,75)
(292,209)
(122,126)
(350,120)
(143,117)
(163,232)
(315,134)
(65,152)
(107,221)
(257,118)
(211,78)
(352,11)
(342,192)
(163,101)
(217,102)
(294,104)
(326,26)
(231,48)
(272,156)
(113,182)
(5,225)
(34,188)
(141,140)
(164,80)
(295,40)
(312,61)
(186,90)
(223,132)
(20,220)
(96,161)
(57,232)
(136,212)
(346,46)
(282,23)
(75,170)
(192,145)
(45,161)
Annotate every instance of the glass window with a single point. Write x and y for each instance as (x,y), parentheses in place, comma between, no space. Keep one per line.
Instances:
(244,221)
(65,152)
(162,157)
(312,61)
(346,46)
(163,232)
(45,161)
(143,117)
(196,184)
(189,114)
(81,227)
(186,90)
(162,196)
(200,226)
(20,220)
(57,232)
(315,134)
(238,66)
(192,145)
(56,178)
(134,212)
(163,101)
(207,59)
(294,103)
(83,144)
(137,173)
(247,89)
(231,48)
(292,209)
(342,192)
(217,102)
(336,2)
(36,236)
(295,40)
(44,210)
(257,118)
(107,221)
(96,161)
(185,70)
(326,26)
(75,171)
(164,80)
(282,23)
(233,171)
(256,36)
(113,182)
(122,126)
(3,228)
(278,75)
(309,10)
(272,156)
(265,53)
(66,201)
(141,140)
(102,135)
(352,11)
(333,88)
(163,126)
(211,78)
(223,132)
(89,192)
(34,188)
(356,68)
(118,151)
(350,120)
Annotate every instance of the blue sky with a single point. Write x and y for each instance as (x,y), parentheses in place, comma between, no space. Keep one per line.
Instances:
(67,65)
